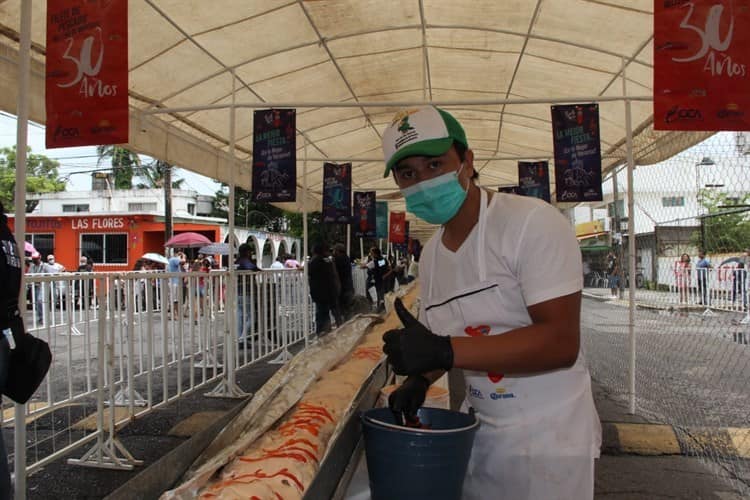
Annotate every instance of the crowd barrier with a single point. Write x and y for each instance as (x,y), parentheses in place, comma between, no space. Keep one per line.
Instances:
(127,343)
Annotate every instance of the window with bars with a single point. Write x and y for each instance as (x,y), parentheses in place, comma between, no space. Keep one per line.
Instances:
(76,207)
(105,248)
(44,243)
(673,201)
(142,207)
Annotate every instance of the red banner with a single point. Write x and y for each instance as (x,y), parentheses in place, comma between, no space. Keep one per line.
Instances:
(87,73)
(397,229)
(701,60)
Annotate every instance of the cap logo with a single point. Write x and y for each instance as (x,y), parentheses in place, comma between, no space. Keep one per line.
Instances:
(408,134)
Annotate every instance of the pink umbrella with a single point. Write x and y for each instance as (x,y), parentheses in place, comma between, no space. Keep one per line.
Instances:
(187,240)
(29,248)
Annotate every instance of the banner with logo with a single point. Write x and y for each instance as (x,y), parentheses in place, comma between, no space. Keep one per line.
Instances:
(363,218)
(533,179)
(397,229)
(701,73)
(578,157)
(337,193)
(86,86)
(403,247)
(381,216)
(274,155)
(509,189)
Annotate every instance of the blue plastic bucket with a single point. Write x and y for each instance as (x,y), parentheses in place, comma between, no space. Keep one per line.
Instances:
(418,464)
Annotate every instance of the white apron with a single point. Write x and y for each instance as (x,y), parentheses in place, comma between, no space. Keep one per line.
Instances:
(539,434)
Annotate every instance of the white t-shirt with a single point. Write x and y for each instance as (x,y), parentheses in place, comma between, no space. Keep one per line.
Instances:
(532,253)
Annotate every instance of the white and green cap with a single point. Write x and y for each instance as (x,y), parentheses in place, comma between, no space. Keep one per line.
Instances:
(427,131)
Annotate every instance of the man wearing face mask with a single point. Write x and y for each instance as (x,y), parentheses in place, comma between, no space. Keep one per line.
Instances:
(500,299)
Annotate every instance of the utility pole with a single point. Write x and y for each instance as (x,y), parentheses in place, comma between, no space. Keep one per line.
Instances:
(168,230)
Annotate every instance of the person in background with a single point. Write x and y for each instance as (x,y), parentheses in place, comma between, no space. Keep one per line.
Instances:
(682,277)
(344,270)
(380,272)
(500,299)
(38,289)
(55,266)
(292,263)
(244,291)
(83,297)
(738,285)
(11,269)
(613,274)
(701,270)
(174,265)
(324,288)
(279,262)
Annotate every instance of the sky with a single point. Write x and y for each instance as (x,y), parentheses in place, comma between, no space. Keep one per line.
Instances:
(76,164)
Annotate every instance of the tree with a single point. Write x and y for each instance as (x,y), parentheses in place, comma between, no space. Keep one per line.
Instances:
(124,164)
(726,227)
(152,176)
(41,176)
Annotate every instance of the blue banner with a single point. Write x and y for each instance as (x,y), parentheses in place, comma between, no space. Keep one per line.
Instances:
(578,159)
(533,179)
(274,155)
(364,214)
(381,214)
(337,193)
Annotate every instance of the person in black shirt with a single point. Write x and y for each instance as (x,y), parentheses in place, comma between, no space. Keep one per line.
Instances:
(344,270)
(324,288)
(11,267)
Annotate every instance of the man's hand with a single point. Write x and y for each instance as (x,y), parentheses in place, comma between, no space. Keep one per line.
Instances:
(413,349)
(407,399)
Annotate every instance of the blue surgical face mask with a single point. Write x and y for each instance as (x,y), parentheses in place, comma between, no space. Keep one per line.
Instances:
(436,200)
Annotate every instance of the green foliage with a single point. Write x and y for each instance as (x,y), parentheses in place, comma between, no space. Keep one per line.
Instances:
(726,225)
(266,217)
(124,164)
(41,176)
(152,176)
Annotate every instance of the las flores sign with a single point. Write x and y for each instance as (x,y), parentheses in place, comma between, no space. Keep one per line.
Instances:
(98,223)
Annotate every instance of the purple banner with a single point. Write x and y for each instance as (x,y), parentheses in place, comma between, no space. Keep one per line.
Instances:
(364,214)
(274,155)
(578,159)
(337,193)
(533,179)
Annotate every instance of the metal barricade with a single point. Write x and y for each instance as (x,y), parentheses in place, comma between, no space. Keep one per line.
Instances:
(126,343)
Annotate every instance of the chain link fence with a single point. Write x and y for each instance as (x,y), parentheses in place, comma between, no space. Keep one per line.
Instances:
(692,223)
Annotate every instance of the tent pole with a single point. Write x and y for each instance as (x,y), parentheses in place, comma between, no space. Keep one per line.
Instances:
(22,125)
(305,270)
(631,243)
(403,104)
(228,387)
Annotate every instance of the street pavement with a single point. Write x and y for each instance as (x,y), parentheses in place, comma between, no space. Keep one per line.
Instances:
(648,455)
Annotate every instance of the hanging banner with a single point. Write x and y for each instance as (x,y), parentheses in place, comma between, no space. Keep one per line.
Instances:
(578,158)
(533,179)
(364,214)
(381,216)
(403,246)
(274,155)
(337,193)
(86,85)
(509,189)
(701,59)
(397,228)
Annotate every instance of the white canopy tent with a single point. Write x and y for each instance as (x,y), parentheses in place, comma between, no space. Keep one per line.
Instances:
(346,65)
(197,67)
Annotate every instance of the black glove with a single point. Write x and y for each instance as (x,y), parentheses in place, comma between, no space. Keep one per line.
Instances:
(413,349)
(406,400)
